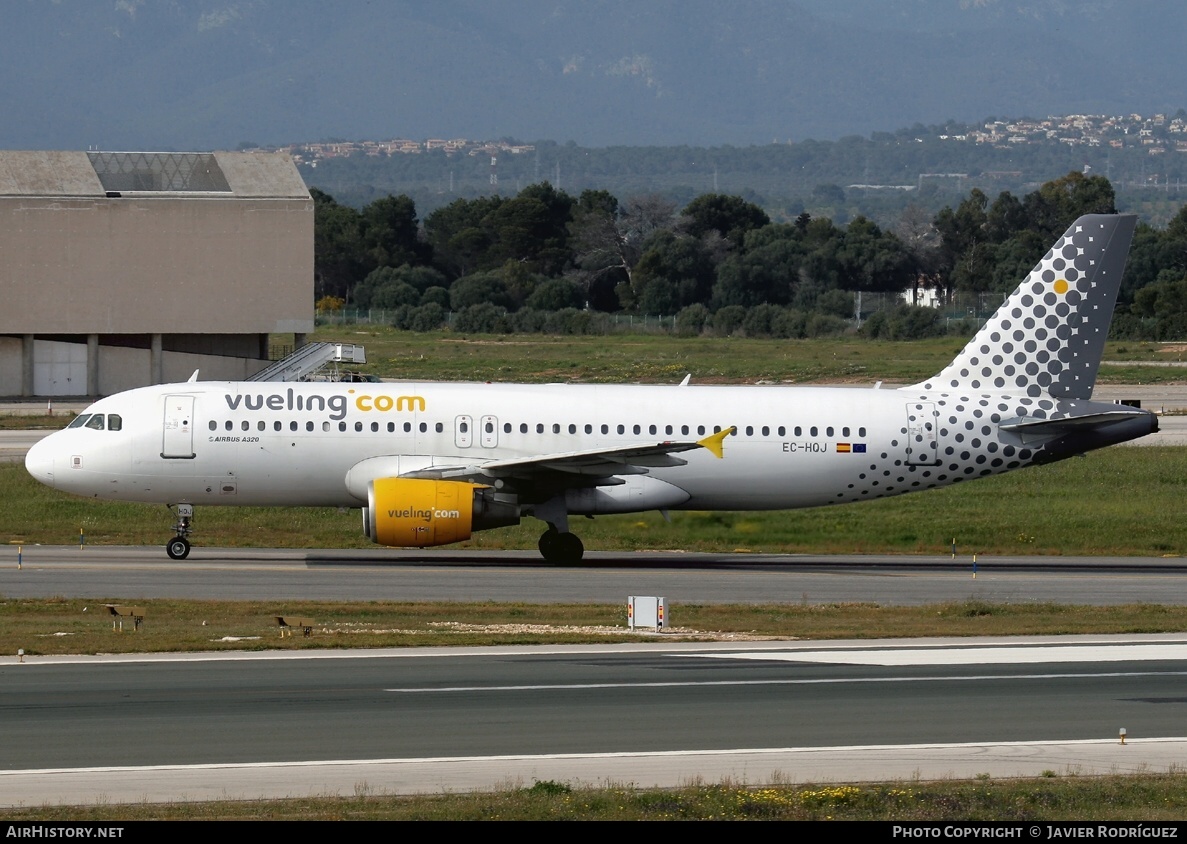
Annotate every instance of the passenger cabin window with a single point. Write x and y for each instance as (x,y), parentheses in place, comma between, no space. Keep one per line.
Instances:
(293,425)
(439,427)
(308,426)
(213,425)
(245,425)
(358,427)
(229,425)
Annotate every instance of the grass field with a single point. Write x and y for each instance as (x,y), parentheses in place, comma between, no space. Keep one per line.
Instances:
(82,625)
(664,359)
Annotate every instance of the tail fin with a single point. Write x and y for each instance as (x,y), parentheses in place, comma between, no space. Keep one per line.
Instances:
(1049,335)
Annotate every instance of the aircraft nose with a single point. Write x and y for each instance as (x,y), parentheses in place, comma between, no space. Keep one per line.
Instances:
(39,461)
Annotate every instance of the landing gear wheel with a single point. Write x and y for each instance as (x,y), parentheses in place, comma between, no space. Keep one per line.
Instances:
(178,548)
(561,548)
(547,545)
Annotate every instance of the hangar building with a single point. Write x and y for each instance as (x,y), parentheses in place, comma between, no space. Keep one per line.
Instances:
(121,269)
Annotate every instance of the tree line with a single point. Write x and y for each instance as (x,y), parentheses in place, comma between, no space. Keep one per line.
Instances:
(720,262)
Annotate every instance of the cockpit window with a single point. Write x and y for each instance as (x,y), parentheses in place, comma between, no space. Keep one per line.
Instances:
(115,422)
(96,422)
(79,420)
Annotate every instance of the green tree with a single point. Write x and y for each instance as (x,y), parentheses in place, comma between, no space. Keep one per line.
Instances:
(608,242)
(1057,204)
(674,271)
(478,289)
(391,233)
(765,270)
(339,258)
(730,216)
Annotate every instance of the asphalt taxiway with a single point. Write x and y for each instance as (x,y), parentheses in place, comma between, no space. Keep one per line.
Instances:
(257,725)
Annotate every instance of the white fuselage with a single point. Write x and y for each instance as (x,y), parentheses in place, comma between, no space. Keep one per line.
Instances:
(269,443)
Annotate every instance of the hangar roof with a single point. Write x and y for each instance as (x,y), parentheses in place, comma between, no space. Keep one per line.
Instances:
(235,175)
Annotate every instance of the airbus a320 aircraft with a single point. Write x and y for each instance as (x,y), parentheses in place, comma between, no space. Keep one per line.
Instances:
(429,463)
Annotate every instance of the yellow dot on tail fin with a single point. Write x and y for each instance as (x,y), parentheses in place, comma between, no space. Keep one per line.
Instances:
(1061,285)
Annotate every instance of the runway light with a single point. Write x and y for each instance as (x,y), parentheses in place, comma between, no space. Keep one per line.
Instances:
(1123,735)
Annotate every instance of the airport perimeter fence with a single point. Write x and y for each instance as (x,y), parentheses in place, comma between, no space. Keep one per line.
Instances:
(959,309)
(612,323)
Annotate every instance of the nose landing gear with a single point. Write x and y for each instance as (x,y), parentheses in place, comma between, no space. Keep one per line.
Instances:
(178,548)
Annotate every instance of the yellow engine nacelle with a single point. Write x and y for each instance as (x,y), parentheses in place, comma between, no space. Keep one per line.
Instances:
(408,512)
(415,513)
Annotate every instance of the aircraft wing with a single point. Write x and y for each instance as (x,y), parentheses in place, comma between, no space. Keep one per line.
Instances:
(583,467)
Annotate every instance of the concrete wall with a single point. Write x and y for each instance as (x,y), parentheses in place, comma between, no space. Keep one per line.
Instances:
(120,368)
(10,366)
(142,265)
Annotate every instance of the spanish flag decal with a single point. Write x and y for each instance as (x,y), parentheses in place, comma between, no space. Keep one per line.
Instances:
(844,448)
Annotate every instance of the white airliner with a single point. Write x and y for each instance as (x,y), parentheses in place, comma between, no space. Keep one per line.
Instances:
(429,463)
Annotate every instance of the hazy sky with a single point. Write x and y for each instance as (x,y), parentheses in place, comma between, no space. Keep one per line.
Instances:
(207,74)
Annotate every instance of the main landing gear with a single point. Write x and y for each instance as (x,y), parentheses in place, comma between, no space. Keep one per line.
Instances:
(560,548)
(178,548)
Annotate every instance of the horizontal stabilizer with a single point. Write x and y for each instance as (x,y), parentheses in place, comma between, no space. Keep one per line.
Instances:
(1031,429)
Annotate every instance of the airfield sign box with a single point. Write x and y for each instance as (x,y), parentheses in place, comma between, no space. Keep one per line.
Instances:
(644,611)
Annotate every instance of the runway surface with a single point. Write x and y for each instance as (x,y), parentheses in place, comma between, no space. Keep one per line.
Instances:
(212,726)
(130,573)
